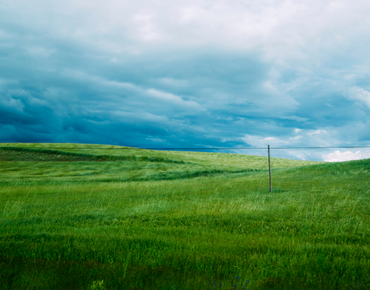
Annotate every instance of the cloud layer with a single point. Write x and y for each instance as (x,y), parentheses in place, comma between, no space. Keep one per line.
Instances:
(187,73)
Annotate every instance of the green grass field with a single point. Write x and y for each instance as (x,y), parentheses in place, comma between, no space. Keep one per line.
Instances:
(92,217)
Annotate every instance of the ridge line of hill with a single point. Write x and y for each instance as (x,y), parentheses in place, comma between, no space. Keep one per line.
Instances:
(95,157)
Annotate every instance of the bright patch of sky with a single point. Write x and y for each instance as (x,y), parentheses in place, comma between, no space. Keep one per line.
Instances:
(189,73)
(338,156)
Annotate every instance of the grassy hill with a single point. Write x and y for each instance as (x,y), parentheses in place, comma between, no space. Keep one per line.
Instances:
(79,162)
(91,217)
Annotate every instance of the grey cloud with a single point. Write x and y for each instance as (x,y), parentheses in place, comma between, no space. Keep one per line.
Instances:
(77,72)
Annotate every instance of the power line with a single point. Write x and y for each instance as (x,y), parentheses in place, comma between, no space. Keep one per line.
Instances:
(253,148)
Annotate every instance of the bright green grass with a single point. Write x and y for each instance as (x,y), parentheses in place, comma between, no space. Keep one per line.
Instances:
(71,224)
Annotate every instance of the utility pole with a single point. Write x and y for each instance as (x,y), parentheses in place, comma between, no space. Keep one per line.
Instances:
(268,149)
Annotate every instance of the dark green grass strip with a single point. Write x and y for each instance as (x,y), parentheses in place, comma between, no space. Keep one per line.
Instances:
(156,177)
(29,154)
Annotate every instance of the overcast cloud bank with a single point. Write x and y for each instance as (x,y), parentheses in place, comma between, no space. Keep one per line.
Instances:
(187,74)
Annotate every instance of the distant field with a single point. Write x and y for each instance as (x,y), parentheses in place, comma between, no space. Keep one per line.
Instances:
(76,217)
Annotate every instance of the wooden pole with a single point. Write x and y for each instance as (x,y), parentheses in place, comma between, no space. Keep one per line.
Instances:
(268,149)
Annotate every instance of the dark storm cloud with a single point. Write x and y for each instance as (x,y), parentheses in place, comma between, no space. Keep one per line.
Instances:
(128,103)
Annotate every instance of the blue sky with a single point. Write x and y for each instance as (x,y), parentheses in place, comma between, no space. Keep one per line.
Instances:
(188,74)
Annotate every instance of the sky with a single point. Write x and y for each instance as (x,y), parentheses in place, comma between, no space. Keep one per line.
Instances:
(204,73)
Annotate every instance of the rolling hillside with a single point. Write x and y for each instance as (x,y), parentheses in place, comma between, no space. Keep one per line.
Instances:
(85,162)
(73,218)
